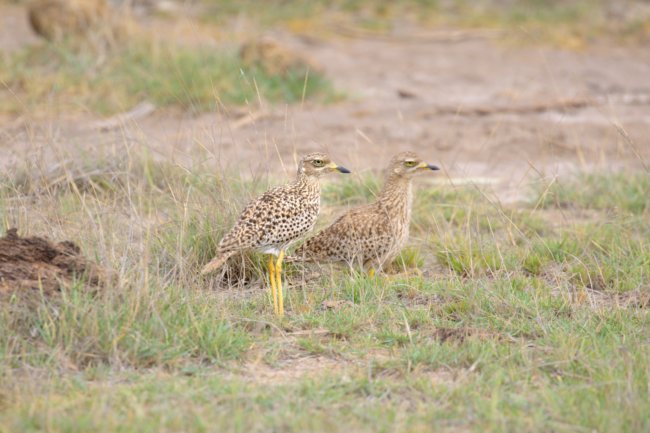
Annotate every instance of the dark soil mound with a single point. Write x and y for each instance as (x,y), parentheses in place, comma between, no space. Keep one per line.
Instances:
(32,264)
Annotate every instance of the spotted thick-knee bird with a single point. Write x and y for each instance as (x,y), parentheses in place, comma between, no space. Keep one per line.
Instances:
(276,219)
(371,235)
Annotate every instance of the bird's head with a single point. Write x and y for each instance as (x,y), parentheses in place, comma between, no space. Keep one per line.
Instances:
(318,164)
(408,164)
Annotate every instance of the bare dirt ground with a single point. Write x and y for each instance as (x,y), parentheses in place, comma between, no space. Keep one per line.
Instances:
(487,111)
(36,264)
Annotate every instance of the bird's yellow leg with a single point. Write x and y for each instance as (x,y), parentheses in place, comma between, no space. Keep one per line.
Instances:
(278,272)
(274,291)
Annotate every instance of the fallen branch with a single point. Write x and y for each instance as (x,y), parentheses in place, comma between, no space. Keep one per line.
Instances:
(560,105)
(140,111)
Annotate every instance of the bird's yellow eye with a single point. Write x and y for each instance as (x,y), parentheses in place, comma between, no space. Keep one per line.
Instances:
(318,163)
(410,163)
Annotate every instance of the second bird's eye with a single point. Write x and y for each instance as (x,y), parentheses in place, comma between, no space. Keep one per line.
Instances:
(318,163)
(409,163)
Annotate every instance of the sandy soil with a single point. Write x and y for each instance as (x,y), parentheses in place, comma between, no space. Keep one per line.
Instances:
(486,111)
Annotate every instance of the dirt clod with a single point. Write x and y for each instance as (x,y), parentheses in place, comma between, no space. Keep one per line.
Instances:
(276,58)
(32,264)
(56,19)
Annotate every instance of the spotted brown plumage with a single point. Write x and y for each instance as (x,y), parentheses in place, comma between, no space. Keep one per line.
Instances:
(276,219)
(373,234)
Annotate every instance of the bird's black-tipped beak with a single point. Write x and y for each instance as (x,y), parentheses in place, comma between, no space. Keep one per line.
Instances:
(342,169)
(433,167)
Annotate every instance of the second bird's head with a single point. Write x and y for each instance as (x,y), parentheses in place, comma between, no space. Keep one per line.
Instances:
(318,164)
(408,164)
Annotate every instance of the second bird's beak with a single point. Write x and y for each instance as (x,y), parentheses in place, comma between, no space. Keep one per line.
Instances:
(340,168)
(429,166)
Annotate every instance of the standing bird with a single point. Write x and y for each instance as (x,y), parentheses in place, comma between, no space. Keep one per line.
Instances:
(374,234)
(276,219)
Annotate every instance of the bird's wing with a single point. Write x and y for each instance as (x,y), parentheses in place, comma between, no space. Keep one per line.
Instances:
(252,224)
(353,225)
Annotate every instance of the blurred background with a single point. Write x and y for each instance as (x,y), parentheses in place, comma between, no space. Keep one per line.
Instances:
(497,91)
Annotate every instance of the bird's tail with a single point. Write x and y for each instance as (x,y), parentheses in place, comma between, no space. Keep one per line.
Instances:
(216,263)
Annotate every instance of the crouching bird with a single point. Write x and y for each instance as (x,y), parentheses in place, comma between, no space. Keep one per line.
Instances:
(371,235)
(276,219)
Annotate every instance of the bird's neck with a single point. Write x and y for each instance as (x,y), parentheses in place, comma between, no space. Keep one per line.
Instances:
(397,196)
(305,182)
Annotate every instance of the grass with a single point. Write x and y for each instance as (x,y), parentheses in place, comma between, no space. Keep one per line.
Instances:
(626,193)
(72,78)
(515,323)
(569,24)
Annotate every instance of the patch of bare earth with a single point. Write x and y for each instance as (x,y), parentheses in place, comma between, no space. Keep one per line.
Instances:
(603,300)
(375,363)
(563,218)
(34,264)
(292,364)
(596,297)
(15,32)
(295,369)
